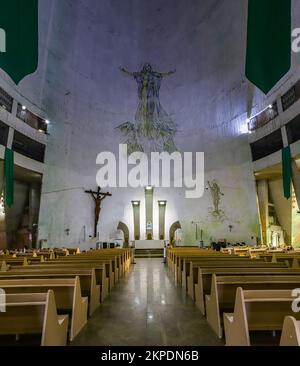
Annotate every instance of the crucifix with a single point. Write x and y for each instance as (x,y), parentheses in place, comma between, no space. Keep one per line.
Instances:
(98,198)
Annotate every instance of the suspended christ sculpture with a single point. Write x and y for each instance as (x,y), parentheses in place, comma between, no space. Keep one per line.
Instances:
(153,129)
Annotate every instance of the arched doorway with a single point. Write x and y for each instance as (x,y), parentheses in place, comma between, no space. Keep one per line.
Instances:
(124,228)
(175,226)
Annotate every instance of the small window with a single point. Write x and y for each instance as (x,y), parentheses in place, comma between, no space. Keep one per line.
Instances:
(293,130)
(4,129)
(6,101)
(291,96)
(28,147)
(267,145)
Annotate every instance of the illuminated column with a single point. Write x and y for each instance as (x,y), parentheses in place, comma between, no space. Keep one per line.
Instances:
(263,201)
(162,218)
(136,219)
(149,212)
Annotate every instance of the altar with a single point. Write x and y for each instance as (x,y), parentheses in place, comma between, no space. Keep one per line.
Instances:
(149,244)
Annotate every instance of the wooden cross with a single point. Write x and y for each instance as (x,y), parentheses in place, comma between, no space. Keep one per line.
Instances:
(98,198)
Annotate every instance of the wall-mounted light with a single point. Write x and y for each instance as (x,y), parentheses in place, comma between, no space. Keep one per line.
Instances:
(244,129)
(149,188)
(136,203)
(47,122)
(2,208)
(162,203)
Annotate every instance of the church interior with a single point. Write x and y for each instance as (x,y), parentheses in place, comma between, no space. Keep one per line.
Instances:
(150,173)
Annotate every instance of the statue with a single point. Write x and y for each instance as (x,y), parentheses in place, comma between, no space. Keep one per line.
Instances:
(216,194)
(153,129)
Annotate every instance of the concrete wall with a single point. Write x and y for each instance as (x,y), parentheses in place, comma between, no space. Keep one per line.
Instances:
(79,85)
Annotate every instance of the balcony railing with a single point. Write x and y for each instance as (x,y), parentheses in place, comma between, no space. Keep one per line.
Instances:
(263,118)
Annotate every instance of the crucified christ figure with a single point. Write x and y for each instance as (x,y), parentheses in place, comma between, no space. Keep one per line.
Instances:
(98,197)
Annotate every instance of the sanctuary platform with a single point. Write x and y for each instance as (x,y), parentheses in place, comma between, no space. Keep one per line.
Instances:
(149,244)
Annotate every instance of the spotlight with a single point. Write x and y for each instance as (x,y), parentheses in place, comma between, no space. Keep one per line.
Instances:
(24,108)
(47,122)
(244,129)
(270,106)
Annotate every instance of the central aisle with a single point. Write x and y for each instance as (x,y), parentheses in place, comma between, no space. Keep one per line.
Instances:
(145,309)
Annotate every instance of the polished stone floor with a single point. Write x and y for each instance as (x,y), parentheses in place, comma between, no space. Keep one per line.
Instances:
(146,309)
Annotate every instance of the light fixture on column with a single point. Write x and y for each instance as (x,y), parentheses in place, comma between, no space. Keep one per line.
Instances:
(136,203)
(2,208)
(162,203)
(149,188)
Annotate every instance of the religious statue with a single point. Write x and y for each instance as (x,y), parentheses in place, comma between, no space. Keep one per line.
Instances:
(98,198)
(216,194)
(153,129)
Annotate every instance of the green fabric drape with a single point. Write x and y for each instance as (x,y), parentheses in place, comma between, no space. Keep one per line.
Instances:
(268,42)
(9,177)
(286,171)
(19,21)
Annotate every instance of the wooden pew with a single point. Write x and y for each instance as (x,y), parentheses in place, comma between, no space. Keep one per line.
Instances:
(178,258)
(190,269)
(102,271)
(14,261)
(203,284)
(185,271)
(67,297)
(34,314)
(173,254)
(195,267)
(256,310)
(223,292)
(109,263)
(290,335)
(184,261)
(89,280)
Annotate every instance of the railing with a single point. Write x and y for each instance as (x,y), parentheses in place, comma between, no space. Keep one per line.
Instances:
(263,118)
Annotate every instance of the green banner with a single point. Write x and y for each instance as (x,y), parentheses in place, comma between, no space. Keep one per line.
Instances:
(286,171)
(18,37)
(9,177)
(268,42)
